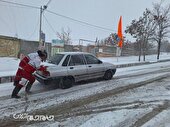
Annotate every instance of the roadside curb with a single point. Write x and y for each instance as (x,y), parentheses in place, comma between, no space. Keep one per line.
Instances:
(140,63)
(7,79)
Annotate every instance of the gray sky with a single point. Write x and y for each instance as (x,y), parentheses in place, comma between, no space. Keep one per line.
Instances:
(24,22)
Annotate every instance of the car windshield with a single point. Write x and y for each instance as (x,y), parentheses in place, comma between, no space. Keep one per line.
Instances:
(56,59)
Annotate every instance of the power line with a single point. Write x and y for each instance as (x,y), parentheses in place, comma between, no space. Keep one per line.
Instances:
(48,2)
(82,22)
(57,14)
(49,24)
(79,22)
(35,30)
(14,3)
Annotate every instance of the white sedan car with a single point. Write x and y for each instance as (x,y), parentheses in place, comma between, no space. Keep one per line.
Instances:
(67,68)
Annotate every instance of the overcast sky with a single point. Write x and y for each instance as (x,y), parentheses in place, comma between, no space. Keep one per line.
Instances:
(23,22)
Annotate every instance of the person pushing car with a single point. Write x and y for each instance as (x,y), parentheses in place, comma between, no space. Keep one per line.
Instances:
(27,66)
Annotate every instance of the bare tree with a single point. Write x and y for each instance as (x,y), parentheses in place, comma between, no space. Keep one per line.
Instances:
(65,36)
(162,18)
(165,46)
(143,30)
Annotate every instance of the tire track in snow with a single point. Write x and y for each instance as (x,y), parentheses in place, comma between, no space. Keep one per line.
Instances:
(68,105)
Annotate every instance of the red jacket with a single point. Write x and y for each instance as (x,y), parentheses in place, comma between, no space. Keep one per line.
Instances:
(27,66)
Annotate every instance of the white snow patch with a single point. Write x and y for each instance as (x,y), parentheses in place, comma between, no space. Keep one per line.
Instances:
(115,118)
(160,120)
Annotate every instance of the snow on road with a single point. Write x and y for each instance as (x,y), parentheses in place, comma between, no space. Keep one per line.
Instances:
(146,97)
(113,118)
(161,120)
(126,108)
(45,96)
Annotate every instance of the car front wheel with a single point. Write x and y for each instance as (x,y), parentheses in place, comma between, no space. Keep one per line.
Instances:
(108,75)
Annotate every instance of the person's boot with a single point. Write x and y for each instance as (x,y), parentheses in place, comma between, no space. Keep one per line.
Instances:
(15,92)
(28,87)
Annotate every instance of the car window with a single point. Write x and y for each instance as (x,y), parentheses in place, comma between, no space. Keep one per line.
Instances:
(56,59)
(76,60)
(65,63)
(90,59)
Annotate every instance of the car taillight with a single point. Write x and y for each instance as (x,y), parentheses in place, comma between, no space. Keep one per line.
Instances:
(46,73)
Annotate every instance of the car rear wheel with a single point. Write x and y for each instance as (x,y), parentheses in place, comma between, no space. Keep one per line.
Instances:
(67,82)
(108,75)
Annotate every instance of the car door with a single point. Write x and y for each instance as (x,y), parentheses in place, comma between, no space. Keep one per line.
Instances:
(95,67)
(77,67)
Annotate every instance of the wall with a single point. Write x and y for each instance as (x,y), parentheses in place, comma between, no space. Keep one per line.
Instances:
(9,46)
(12,47)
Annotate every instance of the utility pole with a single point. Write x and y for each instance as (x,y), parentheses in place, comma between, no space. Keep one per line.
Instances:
(41,43)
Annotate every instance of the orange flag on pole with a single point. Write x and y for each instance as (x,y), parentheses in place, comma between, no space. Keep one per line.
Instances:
(119,33)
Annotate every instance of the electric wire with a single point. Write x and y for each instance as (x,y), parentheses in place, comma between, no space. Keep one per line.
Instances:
(70,18)
(34,31)
(49,24)
(19,4)
(82,22)
(60,15)
(48,2)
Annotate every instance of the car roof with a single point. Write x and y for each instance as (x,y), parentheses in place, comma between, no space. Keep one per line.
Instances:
(73,53)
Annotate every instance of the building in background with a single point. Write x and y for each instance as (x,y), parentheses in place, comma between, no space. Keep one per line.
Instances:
(57,46)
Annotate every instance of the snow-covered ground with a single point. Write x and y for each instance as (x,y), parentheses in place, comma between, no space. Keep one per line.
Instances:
(134,59)
(115,118)
(123,110)
(126,108)
(8,66)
